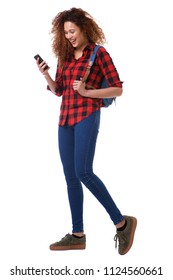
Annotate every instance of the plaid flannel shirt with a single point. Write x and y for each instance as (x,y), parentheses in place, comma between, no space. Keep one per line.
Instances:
(75,107)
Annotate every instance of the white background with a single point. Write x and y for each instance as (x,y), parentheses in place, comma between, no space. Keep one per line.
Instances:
(134,155)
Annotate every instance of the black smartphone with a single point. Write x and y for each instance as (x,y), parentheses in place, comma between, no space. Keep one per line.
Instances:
(40,60)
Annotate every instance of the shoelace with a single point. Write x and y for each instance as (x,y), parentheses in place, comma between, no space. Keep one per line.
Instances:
(64,236)
(116,240)
(119,238)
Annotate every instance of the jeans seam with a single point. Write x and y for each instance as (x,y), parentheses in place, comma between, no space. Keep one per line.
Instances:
(89,144)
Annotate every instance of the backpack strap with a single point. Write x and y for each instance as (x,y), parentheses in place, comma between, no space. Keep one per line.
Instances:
(90,63)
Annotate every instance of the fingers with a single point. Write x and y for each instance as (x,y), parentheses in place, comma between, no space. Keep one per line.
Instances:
(42,66)
(76,84)
(79,86)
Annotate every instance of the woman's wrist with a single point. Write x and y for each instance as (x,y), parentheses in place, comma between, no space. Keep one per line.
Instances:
(46,75)
(86,94)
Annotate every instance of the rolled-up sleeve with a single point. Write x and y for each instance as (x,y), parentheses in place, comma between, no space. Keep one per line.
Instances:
(108,68)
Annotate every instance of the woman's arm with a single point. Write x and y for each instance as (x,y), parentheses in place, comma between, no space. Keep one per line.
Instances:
(104,92)
(97,93)
(51,83)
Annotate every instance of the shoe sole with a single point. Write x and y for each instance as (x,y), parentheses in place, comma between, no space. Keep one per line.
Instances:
(131,236)
(68,247)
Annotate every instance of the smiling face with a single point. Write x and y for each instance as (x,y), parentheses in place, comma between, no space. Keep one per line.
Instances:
(74,35)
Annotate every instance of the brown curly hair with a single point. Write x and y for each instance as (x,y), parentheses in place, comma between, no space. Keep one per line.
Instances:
(61,46)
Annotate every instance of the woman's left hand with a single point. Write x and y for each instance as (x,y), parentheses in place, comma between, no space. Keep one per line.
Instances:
(79,86)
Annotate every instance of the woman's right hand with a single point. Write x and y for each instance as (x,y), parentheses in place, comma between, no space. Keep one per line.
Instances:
(42,66)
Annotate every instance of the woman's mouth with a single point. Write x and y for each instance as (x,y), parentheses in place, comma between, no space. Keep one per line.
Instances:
(73,41)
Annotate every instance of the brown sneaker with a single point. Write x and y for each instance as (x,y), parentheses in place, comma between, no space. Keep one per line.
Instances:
(69,242)
(125,237)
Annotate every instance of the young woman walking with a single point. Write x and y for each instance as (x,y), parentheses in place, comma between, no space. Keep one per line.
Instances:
(75,34)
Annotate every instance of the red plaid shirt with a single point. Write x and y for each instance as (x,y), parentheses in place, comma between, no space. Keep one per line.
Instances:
(75,107)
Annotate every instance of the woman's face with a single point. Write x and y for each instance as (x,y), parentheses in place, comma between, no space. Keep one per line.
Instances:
(74,35)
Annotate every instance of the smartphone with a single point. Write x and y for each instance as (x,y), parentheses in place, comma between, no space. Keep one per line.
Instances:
(41,60)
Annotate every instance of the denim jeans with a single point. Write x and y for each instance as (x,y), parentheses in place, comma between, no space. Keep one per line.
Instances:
(77,148)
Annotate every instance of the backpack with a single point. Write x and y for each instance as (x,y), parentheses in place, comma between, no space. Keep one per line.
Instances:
(107,101)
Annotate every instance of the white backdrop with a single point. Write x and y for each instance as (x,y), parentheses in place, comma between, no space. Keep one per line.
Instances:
(134,152)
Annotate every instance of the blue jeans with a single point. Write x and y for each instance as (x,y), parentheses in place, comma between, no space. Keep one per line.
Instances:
(77,148)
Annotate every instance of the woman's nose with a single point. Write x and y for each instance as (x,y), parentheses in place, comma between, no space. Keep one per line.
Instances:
(68,36)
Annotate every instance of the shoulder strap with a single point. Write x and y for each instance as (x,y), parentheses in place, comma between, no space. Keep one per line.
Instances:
(93,55)
(90,63)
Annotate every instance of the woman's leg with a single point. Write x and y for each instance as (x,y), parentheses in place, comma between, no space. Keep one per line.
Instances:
(74,187)
(85,142)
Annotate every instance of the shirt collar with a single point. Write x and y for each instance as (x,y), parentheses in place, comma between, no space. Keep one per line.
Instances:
(89,47)
(87,50)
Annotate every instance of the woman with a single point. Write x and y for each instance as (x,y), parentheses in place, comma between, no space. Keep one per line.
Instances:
(75,34)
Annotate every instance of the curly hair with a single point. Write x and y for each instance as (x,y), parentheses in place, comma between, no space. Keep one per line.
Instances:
(61,46)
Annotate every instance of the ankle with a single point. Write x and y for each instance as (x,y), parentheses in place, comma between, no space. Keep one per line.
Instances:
(121,224)
(122,227)
(78,234)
